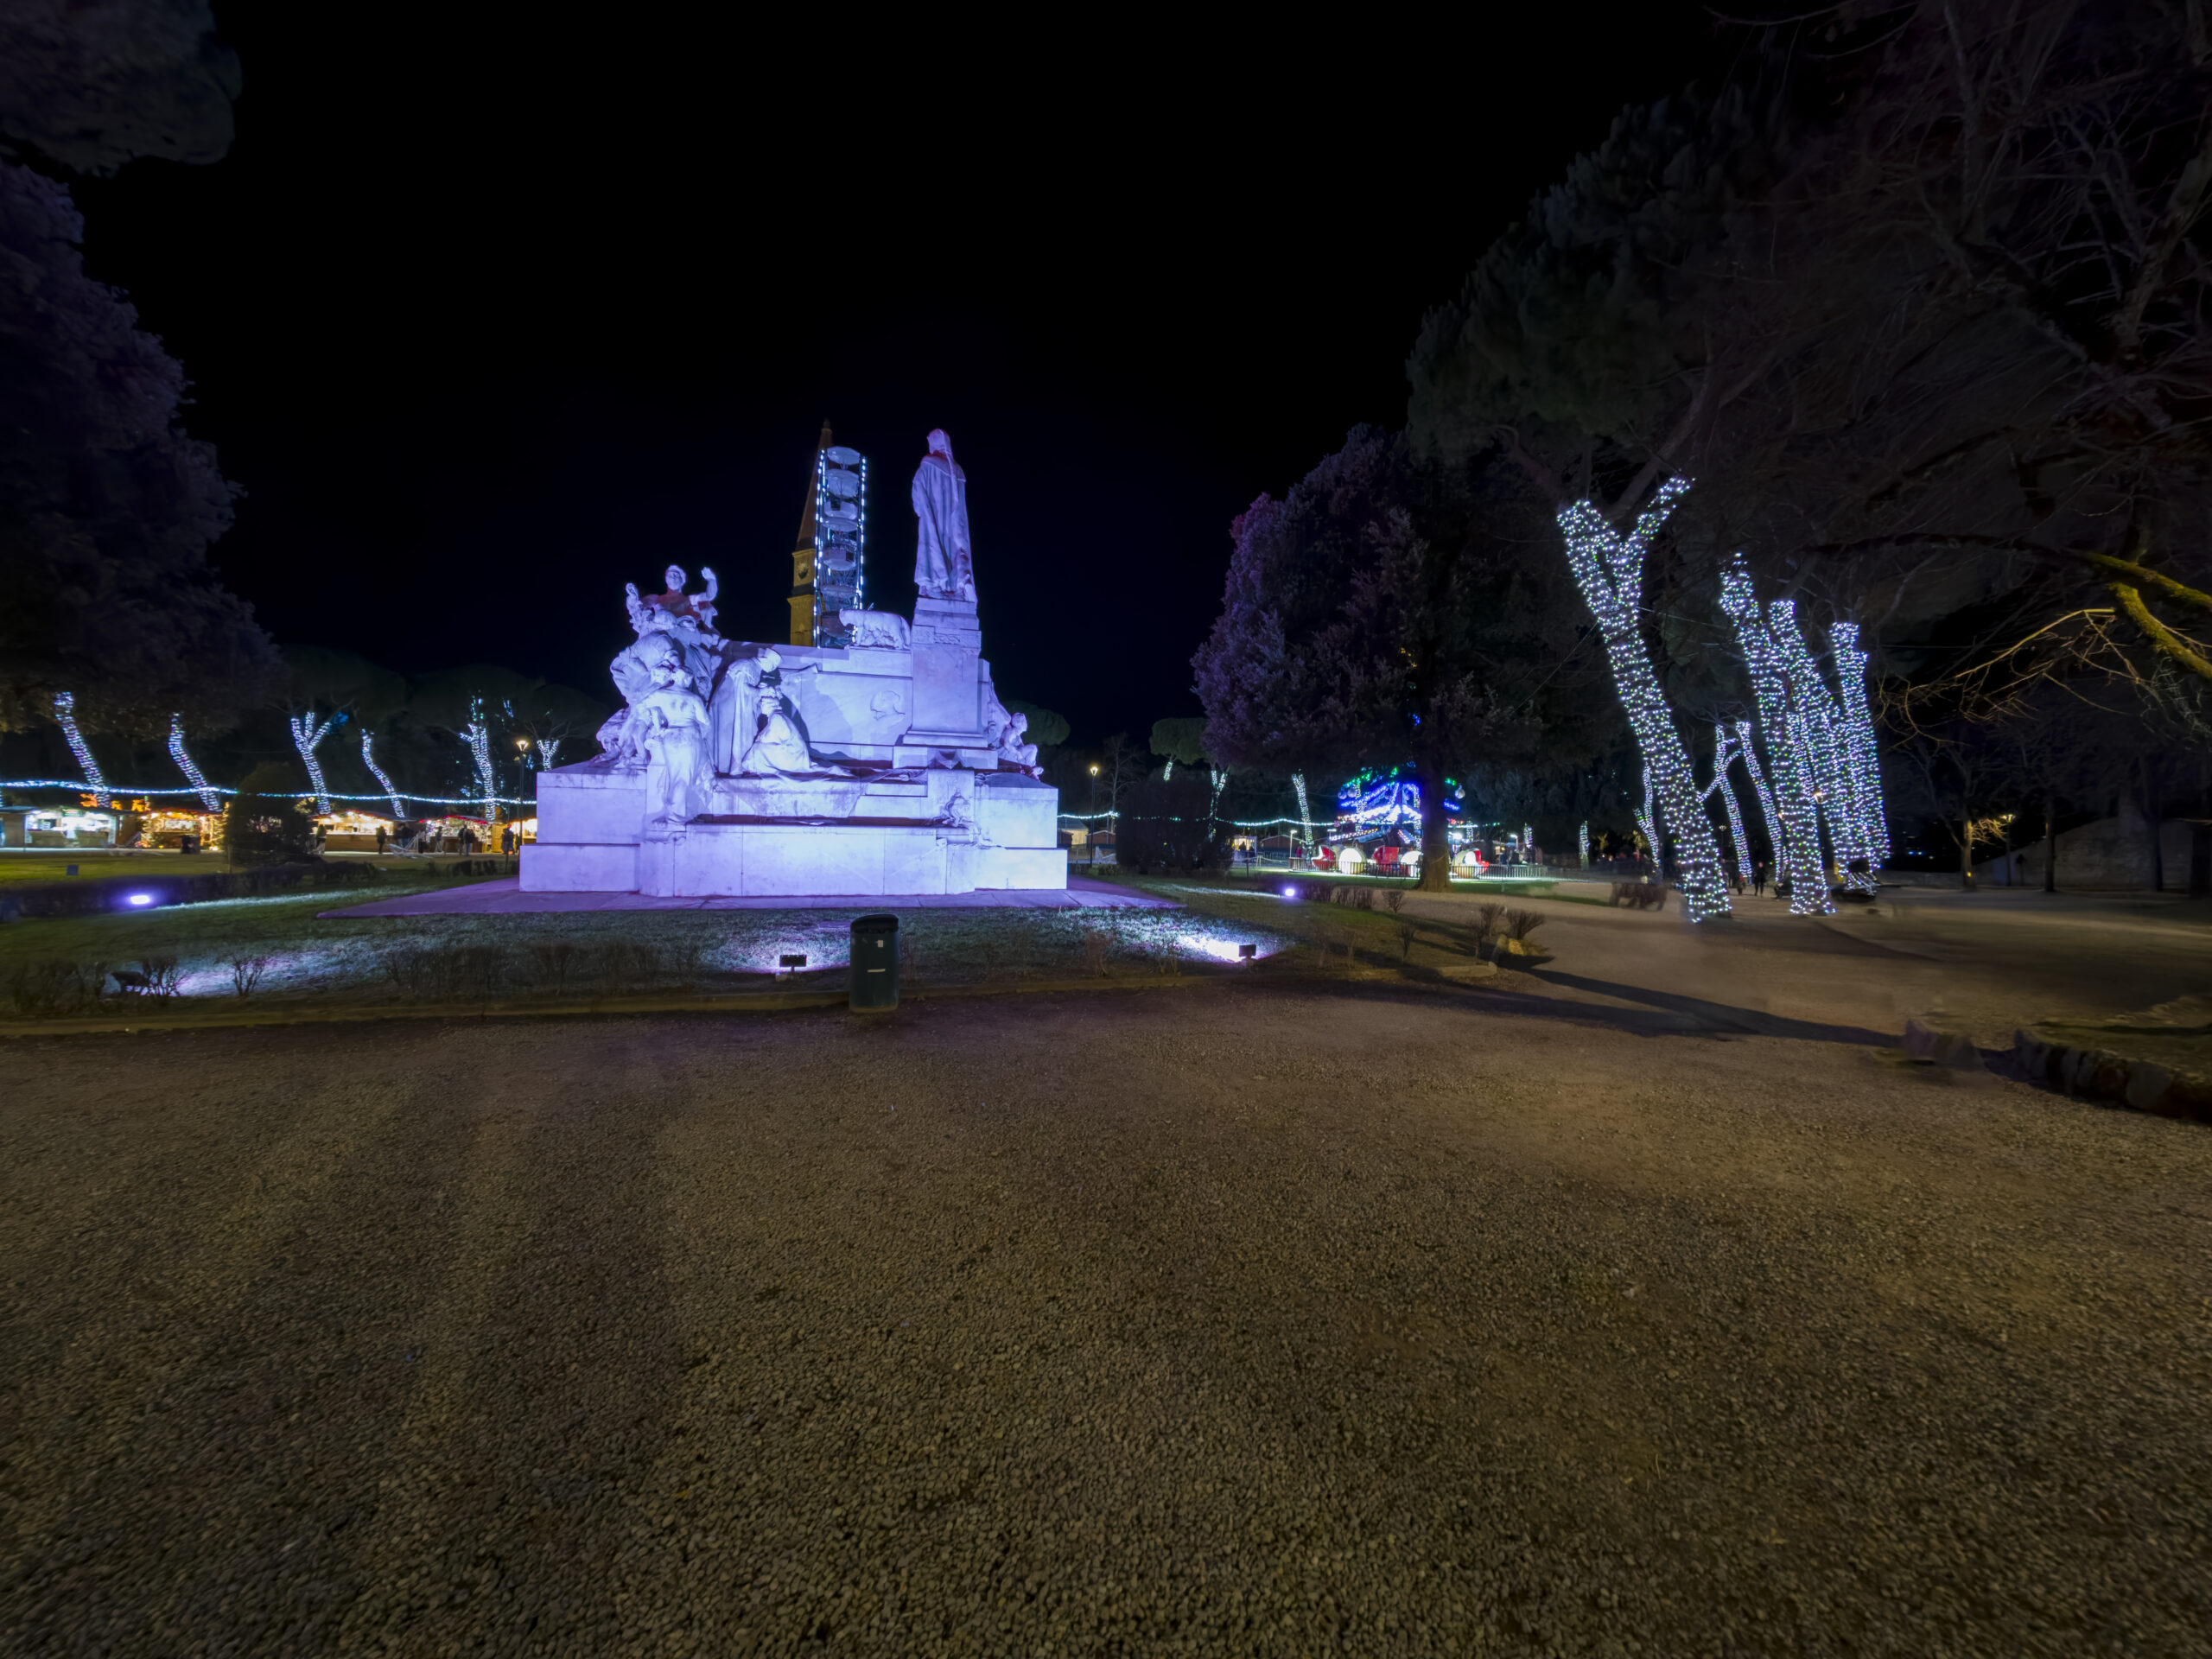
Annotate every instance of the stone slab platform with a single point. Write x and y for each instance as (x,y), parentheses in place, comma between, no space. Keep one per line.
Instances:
(506,897)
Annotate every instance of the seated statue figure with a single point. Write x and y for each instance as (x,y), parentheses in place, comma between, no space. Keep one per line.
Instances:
(669,725)
(777,749)
(1013,748)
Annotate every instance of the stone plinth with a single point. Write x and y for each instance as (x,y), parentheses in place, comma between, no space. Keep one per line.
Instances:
(948,700)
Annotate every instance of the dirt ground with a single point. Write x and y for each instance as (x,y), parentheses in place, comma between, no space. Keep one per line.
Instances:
(1213,1318)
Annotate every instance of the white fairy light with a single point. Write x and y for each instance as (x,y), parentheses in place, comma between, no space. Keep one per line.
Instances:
(307,735)
(185,764)
(478,734)
(64,705)
(1721,758)
(1797,855)
(1862,755)
(1749,757)
(547,749)
(1826,740)
(370,761)
(1609,568)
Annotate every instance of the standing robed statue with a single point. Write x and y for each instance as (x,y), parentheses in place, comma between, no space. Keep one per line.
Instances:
(944,565)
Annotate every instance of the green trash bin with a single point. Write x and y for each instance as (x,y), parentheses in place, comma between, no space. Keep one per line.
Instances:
(875,963)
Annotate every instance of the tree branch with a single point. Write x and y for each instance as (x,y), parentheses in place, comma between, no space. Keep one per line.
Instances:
(2141,575)
(2164,638)
(2187,201)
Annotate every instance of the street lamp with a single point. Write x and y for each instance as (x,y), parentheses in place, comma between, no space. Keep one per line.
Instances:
(1094,789)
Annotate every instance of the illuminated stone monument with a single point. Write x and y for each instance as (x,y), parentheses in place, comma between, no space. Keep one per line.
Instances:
(876,767)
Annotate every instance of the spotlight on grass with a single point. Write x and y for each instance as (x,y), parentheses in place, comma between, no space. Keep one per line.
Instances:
(140,899)
(1290,892)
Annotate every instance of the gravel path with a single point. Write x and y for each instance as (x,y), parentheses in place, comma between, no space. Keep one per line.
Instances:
(1220,1319)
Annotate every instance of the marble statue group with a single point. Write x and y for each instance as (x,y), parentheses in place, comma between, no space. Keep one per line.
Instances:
(887,765)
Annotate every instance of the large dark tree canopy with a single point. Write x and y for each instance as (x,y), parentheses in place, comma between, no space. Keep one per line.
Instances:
(1394,608)
(106,507)
(1920,299)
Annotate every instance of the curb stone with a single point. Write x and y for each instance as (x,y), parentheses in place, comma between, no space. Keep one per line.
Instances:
(2098,1074)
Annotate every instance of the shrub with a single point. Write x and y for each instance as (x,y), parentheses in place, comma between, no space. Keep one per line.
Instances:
(246,972)
(55,986)
(1406,931)
(264,823)
(1490,919)
(1520,924)
(408,969)
(552,959)
(1094,944)
(1395,899)
(161,975)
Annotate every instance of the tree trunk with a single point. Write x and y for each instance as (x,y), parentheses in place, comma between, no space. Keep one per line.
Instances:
(1435,831)
(2200,849)
(2050,843)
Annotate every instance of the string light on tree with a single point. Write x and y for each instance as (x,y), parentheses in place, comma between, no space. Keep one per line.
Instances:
(369,761)
(1749,757)
(1825,737)
(65,707)
(1861,754)
(1609,568)
(1798,854)
(478,734)
(185,764)
(307,736)
(1719,783)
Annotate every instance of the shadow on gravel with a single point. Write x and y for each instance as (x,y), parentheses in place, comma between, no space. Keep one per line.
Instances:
(1669,1014)
(1697,1013)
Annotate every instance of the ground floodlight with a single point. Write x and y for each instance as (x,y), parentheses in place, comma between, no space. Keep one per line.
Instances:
(791,962)
(1247,951)
(142,898)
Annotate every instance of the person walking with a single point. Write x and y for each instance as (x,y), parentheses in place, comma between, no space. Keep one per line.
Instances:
(1758,878)
(467,841)
(380,839)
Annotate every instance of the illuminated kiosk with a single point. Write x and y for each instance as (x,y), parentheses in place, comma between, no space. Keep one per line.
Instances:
(883,766)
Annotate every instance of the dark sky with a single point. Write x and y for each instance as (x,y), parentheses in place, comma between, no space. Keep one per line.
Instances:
(488,320)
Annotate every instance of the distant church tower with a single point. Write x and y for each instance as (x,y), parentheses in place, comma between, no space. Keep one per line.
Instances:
(830,563)
(802,555)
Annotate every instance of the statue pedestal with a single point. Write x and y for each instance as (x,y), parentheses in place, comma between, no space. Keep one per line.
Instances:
(948,703)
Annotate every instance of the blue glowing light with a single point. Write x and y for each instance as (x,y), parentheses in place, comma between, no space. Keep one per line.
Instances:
(1386,800)
(142,898)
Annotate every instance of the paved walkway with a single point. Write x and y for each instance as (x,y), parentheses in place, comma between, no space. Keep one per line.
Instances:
(506,897)
(1990,961)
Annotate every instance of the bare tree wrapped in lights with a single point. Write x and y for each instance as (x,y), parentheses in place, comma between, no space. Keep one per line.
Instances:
(64,713)
(1722,758)
(1749,757)
(1608,566)
(308,734)
(1797,854)
(189,767)
(478,735)
(369,759)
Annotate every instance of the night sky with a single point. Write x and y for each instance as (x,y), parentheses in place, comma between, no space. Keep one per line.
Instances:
(488,323)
